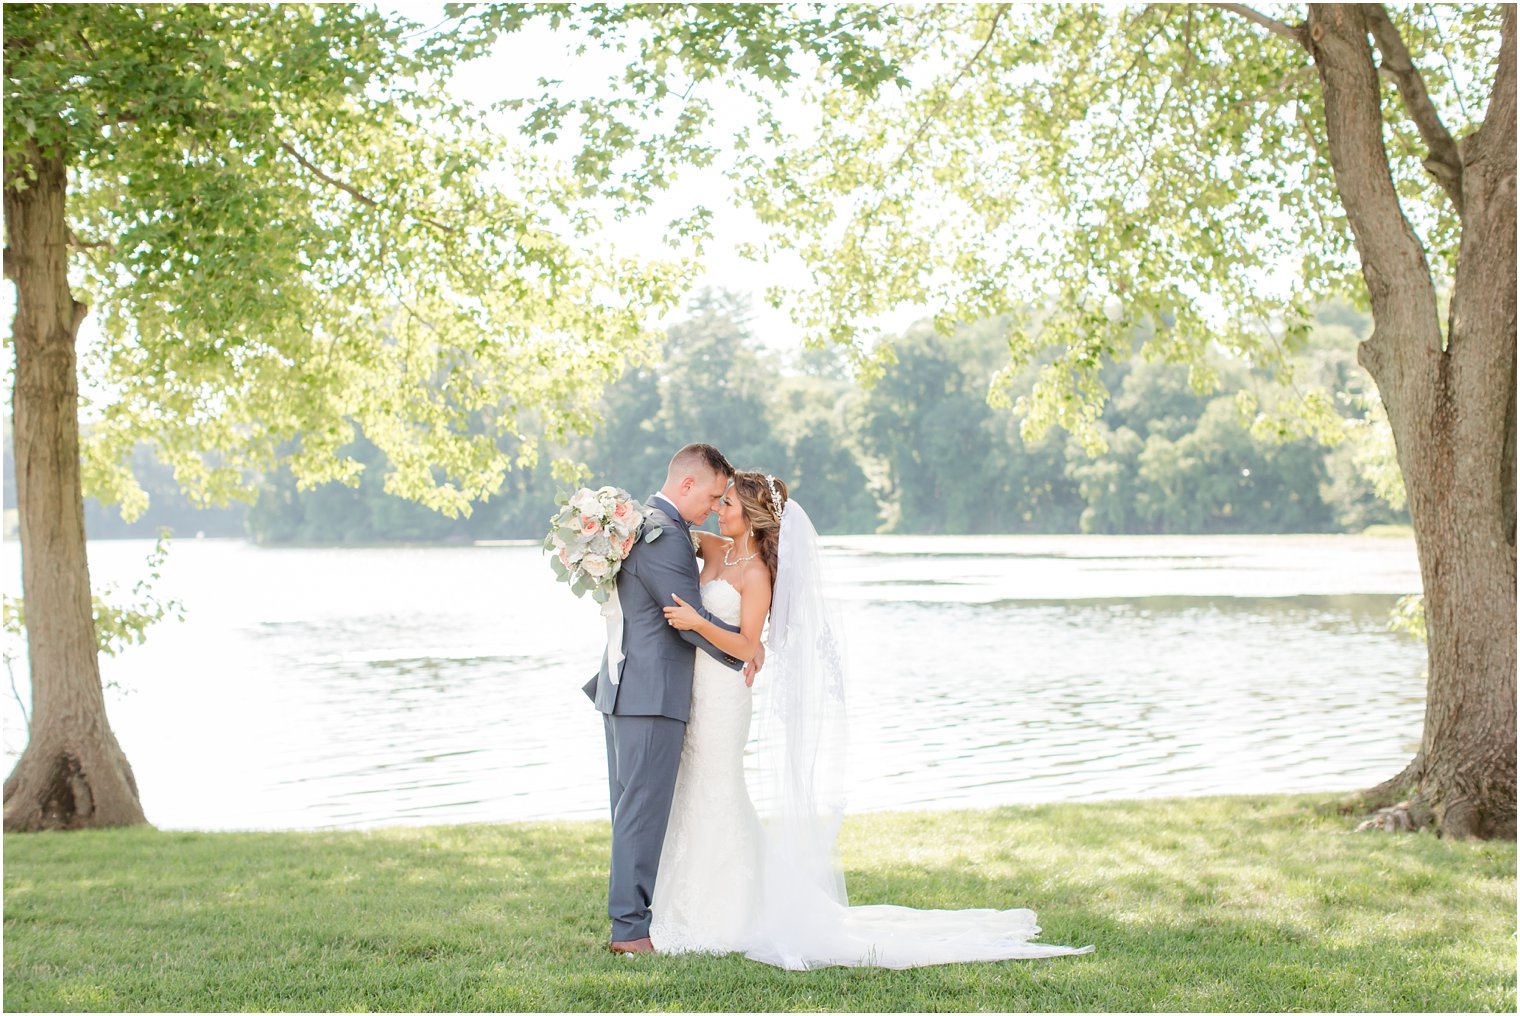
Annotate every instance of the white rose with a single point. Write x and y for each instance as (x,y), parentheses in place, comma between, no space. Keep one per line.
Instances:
(594,566)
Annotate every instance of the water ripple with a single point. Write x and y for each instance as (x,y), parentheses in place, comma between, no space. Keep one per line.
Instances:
(369,687)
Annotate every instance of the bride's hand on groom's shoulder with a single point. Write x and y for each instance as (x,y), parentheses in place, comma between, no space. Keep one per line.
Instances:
(681,617)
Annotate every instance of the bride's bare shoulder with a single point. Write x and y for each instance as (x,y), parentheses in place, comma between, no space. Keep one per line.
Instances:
(757,577)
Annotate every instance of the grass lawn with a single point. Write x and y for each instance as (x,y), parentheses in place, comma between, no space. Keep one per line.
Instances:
(1238,903)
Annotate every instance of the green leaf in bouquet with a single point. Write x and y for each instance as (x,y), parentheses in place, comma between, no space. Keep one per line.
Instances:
(560,570)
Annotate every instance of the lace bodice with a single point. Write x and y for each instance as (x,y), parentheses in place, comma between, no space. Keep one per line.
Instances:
(721,599)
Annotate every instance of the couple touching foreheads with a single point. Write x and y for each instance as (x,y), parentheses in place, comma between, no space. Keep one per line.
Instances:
(698,863)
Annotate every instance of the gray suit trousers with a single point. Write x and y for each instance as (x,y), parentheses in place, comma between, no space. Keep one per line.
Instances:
(643,755)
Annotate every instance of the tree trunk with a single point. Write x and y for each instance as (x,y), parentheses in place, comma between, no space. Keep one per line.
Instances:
(1451,406)
(73,774)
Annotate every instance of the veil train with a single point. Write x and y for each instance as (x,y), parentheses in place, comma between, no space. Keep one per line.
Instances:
(804,919)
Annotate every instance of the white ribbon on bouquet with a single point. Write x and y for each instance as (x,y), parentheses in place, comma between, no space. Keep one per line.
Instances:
(612,611)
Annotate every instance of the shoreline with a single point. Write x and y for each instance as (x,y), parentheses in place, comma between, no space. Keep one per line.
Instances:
(1390,533)
(1326,802)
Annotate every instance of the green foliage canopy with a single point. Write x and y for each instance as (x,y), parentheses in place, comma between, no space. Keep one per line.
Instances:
(286,227)
(1152,174)
(654,115)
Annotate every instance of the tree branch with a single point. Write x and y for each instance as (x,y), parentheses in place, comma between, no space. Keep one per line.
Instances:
(1166,98)
(1293,33)
(1142,50)
(991,31)
(1394,265)
(1444,162)
(89,50)
(78,244)
(1500,118)
(1481,318)
(350,190)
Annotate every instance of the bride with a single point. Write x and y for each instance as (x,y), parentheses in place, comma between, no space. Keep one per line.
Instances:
(758,874)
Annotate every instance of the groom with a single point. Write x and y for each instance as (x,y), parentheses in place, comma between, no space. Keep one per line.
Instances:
(646,700)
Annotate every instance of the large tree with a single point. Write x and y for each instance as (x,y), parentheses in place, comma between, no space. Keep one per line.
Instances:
(1197,176)
(285,227)
(289,231)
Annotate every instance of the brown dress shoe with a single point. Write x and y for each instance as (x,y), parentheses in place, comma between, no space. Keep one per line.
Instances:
(638,945)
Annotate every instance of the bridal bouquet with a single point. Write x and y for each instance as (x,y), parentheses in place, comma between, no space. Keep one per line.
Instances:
(590,537)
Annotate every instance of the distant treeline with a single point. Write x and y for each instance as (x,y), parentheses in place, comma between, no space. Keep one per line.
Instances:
(920,452)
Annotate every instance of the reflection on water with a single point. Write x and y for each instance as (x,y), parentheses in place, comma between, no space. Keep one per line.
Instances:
(365,687)
(1134,698)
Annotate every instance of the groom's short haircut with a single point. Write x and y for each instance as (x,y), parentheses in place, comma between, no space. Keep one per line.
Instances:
(704,455)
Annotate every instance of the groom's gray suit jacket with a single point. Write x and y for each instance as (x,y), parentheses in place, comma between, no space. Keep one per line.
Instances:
(658,659)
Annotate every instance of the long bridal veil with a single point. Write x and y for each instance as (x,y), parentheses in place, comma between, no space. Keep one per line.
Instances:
(799,792)
(803,919)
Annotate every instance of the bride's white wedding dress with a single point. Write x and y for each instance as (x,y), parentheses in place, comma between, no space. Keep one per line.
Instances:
(730,882)
(705,893)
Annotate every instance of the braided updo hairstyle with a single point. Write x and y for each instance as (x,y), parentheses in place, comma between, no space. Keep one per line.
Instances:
(754,491)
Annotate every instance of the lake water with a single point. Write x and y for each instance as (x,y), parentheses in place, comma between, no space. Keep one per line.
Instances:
(369,687)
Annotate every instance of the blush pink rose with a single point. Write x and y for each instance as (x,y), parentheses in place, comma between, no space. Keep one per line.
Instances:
(590,526)
(627,545)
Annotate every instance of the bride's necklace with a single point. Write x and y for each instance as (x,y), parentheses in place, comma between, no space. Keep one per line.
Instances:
(730,564)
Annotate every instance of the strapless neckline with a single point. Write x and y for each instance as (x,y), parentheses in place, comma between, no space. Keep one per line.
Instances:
(723,605)
(720,578)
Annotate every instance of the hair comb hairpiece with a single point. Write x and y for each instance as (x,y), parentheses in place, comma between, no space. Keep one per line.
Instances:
(770,481)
